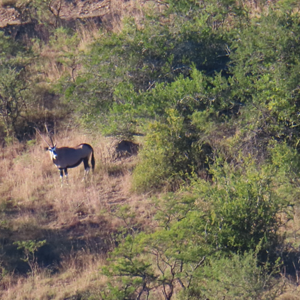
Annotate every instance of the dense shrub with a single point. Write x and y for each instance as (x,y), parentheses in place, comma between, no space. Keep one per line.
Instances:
(213,88)
(170,154)
(205,228)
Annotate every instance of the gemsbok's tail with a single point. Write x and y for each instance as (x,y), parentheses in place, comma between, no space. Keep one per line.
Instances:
(93,160)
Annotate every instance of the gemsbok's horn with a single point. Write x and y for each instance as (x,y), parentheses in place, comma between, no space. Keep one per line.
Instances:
(49,135)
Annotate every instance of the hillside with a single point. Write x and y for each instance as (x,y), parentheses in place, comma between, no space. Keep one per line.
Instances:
(67,10)
(78,220)
(108,12)
(192,111)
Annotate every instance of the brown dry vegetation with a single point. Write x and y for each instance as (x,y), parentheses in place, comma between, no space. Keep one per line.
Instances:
(77,220)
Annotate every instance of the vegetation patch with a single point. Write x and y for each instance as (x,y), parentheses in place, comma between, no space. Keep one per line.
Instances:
(192,109)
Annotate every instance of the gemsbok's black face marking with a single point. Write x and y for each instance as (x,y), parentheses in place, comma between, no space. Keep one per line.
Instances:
(52,151)
(66,157)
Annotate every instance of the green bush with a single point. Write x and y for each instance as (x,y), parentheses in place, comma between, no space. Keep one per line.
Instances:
(209,230)
(169,155)
(240,276)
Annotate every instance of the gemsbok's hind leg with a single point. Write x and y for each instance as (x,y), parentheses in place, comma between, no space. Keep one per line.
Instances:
(86,167)
(66,175)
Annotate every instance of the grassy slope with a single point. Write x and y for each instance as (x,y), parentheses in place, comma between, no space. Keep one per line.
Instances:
(78,220)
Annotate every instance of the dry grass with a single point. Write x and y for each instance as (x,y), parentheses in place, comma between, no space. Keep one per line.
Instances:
(76,220)
(119,10)
(79,272)
(292,293)
(52,69)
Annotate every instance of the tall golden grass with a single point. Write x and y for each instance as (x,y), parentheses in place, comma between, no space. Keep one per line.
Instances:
(76,220)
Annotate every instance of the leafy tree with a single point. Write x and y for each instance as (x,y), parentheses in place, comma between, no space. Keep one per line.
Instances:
(203,229)
(12,101)
(240,276)
(30,248)
(170,154)
(21,94)
(121,70)
(13,84)
(265,75)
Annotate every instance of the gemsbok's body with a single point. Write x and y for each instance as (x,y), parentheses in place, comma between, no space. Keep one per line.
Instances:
(66,157)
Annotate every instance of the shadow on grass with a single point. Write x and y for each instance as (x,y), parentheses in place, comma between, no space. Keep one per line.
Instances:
(82,235)
(290,258)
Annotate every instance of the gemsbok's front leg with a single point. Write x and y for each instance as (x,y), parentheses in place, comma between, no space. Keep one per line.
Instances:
(61,172)
(61,175)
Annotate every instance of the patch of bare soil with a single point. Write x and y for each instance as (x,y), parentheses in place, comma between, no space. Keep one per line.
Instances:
(109,11)
(64,9)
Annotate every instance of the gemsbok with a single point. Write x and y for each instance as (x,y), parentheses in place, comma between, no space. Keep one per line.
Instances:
(66,157)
